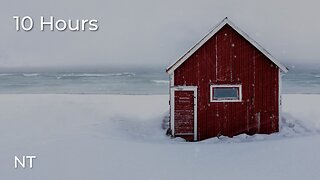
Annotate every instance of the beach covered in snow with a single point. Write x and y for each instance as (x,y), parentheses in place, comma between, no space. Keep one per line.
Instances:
(121,137)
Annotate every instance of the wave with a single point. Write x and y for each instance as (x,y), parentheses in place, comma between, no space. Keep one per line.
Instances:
(83,75)
(317,76)
(31,74)
(123,74)
(95,74)
(4,74)
(160,81)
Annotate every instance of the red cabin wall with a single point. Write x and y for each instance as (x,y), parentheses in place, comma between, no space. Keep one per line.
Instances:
(228,58)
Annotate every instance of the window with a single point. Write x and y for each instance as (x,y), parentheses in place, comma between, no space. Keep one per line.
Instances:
(225,93)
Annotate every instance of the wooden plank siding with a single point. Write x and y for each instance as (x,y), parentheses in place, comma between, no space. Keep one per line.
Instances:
(228,58)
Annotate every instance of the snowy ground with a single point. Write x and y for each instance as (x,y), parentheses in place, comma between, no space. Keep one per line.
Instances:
(97,137)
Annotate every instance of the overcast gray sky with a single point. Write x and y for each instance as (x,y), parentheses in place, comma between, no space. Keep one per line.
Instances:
(153,33)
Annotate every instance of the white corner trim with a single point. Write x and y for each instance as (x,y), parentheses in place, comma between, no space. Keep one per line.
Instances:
(211,33)
(279,100)
(195,120)
(172,79)
(171,94)
(172,111)
(226,85)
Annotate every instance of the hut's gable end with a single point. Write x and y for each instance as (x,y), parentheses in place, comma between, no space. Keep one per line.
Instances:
(213,32)
(225,57)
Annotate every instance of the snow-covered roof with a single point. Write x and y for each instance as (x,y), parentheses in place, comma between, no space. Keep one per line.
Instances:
(211,33)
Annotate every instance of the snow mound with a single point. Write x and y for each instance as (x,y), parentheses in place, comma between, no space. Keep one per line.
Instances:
(292,126)
(140,130)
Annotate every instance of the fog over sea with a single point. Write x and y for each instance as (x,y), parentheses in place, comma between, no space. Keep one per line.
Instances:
(131,82)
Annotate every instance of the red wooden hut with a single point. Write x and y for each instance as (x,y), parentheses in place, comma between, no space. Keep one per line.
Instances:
(226,84)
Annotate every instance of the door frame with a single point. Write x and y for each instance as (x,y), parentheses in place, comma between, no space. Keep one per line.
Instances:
(195,102)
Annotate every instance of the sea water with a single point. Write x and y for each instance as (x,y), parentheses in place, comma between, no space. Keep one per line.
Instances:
(131,82)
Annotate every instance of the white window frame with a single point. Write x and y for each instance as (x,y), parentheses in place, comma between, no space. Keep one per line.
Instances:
(239,86)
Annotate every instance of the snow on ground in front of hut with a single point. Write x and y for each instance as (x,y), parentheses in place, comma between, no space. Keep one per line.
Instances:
(120,137)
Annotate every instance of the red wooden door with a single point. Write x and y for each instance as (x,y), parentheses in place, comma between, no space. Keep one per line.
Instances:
(184,113)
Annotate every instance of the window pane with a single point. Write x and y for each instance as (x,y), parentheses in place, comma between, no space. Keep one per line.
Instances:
(226,93)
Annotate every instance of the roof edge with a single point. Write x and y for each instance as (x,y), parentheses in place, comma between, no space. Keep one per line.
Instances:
(211,33)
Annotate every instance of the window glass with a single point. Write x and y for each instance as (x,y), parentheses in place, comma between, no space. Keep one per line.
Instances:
(225,93)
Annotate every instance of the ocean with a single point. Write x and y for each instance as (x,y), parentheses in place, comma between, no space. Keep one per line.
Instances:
(305,81)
